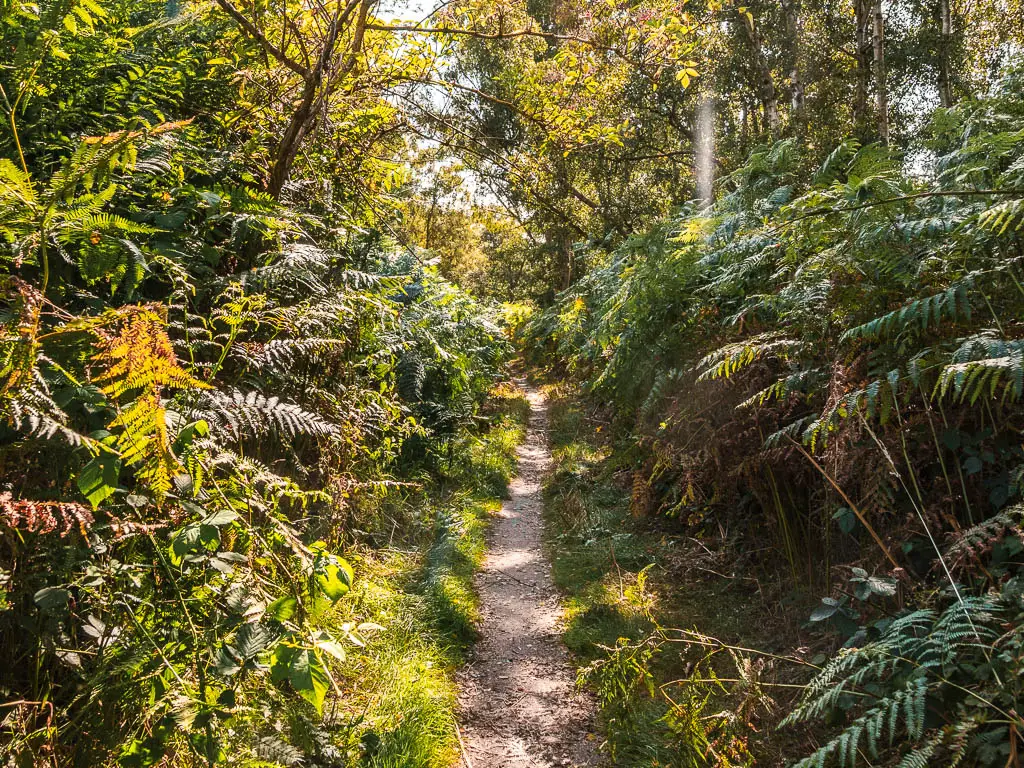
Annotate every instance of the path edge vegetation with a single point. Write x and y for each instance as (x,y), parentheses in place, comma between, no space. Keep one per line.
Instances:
(249,337)
(673,651)
(404,684)
(816,379)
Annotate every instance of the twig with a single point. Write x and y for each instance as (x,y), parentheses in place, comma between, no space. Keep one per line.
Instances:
(462,747)
(622,591)
(254,32)
(826,210)
(849,503)
(514,578)
(713,680)
(707,641)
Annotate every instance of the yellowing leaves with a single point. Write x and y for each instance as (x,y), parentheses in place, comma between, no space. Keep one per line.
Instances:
(139,362)
(684,75)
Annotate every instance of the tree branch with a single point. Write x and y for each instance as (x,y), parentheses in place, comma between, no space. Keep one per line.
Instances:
(486,154)
(489,35)
(253,31)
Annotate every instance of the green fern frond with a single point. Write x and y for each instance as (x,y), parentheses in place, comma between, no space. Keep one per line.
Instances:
(33,411)
(969,545)
(837,162)
(16,185)
(279,354)
(951,303)
(799,382)
(876,400)
(727,360)
(252,415)
(921,757)
(412,374)
(792,431)
(1003,217)
(919,657)
(980,365)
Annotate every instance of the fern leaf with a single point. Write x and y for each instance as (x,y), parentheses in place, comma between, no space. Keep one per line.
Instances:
(252,415)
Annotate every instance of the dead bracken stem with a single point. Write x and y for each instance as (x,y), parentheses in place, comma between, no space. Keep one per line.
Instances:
(462,747)
(853,507)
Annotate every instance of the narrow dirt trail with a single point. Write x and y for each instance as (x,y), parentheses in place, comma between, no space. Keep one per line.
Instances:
(518,702)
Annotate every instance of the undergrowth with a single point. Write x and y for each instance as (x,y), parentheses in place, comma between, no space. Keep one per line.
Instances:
(659,637)
(400,712)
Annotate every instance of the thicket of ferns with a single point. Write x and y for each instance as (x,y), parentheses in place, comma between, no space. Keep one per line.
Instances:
(177,471)
(847,345)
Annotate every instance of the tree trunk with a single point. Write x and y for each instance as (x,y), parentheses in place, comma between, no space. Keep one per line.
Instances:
(945,44)
(291,140)
(862,59)
(705,154)
(428,225)
(567,255)
(319,84)
(881,86)
(744,125)
(765,83)
(794,30)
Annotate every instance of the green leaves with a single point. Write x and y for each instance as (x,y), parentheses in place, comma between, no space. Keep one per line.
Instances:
(846,519)
(334,648)
(148,750)
(191,539)
(952,303)
(917,660)
(200,538)
(220,518)
(52,599)
(865,586)
(304,670)
(250,641)
(828,608)
(332,574)
(112,225)
(98,479)
(282,609)
(253,638)
(335,579)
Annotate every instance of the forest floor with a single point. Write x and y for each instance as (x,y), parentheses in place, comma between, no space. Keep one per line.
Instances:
(519,703)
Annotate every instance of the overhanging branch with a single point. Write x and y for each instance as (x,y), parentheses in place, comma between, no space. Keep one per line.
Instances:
(254,32)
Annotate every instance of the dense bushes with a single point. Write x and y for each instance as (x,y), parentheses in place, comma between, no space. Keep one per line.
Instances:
(831,361)
(203,405)
(177,473)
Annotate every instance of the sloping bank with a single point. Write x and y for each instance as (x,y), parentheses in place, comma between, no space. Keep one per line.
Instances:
(692,662)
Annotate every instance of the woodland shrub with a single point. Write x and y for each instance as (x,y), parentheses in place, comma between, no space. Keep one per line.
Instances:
(211,388)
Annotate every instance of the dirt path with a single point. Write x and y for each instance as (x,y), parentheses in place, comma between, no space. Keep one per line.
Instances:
(519,705)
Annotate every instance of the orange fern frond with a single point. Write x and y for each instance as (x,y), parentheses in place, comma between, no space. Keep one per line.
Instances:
(139,362)
(44,516)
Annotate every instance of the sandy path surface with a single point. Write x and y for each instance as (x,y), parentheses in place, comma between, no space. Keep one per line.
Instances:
(518,703)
